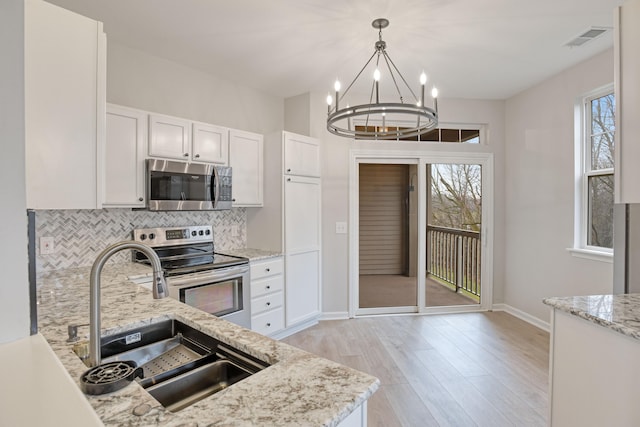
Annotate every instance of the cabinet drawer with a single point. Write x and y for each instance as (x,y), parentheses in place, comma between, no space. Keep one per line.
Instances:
(269,322)
(267,302)
(267,268)
(266,286)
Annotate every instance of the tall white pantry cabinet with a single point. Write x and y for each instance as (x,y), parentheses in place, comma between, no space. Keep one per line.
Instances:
(65,93)
(289,222)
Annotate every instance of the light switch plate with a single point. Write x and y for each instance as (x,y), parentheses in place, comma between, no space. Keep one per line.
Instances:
(47,245)
(341,228)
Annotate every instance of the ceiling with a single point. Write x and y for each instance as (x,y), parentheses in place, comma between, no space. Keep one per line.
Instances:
(483,49)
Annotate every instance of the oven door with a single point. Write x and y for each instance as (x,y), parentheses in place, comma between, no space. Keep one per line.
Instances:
(222,292)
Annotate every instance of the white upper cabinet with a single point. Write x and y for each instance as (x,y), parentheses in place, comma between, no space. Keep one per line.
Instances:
(301,155)
(210,144)
(246,159)
(65,101)
(181,139)
(627,90)
(169,137)
(124,155)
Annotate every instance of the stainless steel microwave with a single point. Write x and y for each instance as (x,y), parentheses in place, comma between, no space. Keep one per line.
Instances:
(181,186)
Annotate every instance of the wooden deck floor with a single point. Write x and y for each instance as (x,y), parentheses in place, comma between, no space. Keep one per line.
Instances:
(485,369)
(401,291)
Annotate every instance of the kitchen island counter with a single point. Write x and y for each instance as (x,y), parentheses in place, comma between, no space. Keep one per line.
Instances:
(594,374)
(620,313)
(298,389)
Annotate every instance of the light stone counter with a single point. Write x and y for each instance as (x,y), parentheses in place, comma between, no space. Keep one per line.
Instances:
(252,254)
(299,389)
(620,313)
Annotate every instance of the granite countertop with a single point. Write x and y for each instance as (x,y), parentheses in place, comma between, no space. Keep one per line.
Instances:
(298,389)
(620,313)
(251,253)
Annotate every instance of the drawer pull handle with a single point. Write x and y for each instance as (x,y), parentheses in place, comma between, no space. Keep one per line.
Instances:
(268,269)
(268,287)
(268,304)
(268,325)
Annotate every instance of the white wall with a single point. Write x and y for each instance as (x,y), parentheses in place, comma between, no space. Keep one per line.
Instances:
(335,187)
(138,79)
(539,190)
(14,286)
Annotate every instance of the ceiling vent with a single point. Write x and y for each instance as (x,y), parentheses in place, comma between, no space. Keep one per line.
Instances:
(587,36)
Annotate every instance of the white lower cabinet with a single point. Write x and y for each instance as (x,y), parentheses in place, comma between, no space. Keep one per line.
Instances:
(357,418)
(267,295)
(594,374)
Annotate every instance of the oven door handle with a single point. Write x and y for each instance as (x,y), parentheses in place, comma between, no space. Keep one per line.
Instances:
(208,277)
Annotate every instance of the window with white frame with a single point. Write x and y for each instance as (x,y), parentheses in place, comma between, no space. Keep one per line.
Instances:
(596,187)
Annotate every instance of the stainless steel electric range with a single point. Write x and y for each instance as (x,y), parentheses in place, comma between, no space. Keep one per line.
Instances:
(197,275)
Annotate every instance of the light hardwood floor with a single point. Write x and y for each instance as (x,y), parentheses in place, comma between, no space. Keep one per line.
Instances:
(485,369)
(388,290)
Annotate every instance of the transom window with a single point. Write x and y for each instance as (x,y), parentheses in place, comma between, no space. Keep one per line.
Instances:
(468,134)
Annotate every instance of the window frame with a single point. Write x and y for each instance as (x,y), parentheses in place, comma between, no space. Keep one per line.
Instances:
(584,171)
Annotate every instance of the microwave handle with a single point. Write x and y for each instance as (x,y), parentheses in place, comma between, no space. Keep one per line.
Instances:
(215,189)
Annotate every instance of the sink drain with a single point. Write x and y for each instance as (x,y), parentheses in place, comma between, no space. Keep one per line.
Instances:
(109,377)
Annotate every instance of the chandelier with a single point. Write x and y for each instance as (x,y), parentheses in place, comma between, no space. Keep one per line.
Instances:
(408,120)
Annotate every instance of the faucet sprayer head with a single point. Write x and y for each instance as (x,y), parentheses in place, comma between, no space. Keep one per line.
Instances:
(159,285)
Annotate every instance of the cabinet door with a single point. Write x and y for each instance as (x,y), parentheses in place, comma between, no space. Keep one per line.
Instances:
(627,90)
(302,284)
(246,158)
(169,137)
(65,66)
(123,168)
(302,248)
(210,144)
(301,155)
(302,213)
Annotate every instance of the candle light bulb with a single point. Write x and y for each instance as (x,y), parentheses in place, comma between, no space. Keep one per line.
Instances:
(423,78)
(329,100)
(434,92)
(336,85)
(376,75)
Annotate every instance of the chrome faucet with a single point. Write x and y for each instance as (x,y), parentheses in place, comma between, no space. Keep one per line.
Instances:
(159,290)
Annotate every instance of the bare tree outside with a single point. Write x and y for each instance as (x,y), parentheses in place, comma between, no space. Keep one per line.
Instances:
(456,196)
(600,176)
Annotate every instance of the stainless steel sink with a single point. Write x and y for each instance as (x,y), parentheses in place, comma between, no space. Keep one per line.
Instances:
(183,390)
(181,365)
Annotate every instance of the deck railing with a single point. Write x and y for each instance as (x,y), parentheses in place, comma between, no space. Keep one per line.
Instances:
(453,256)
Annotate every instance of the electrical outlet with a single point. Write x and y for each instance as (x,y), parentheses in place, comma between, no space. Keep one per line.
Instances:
(341,228)
(47,245)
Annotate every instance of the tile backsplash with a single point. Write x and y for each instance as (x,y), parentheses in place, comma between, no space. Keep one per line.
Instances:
(80,235)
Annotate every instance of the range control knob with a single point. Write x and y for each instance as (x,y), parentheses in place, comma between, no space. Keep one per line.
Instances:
(152,236)
(200,232)
(207,232)
(143,237)
(194,232)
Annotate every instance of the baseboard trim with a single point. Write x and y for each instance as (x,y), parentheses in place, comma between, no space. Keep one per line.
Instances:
(545,326)
(335,315)
(295,328)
